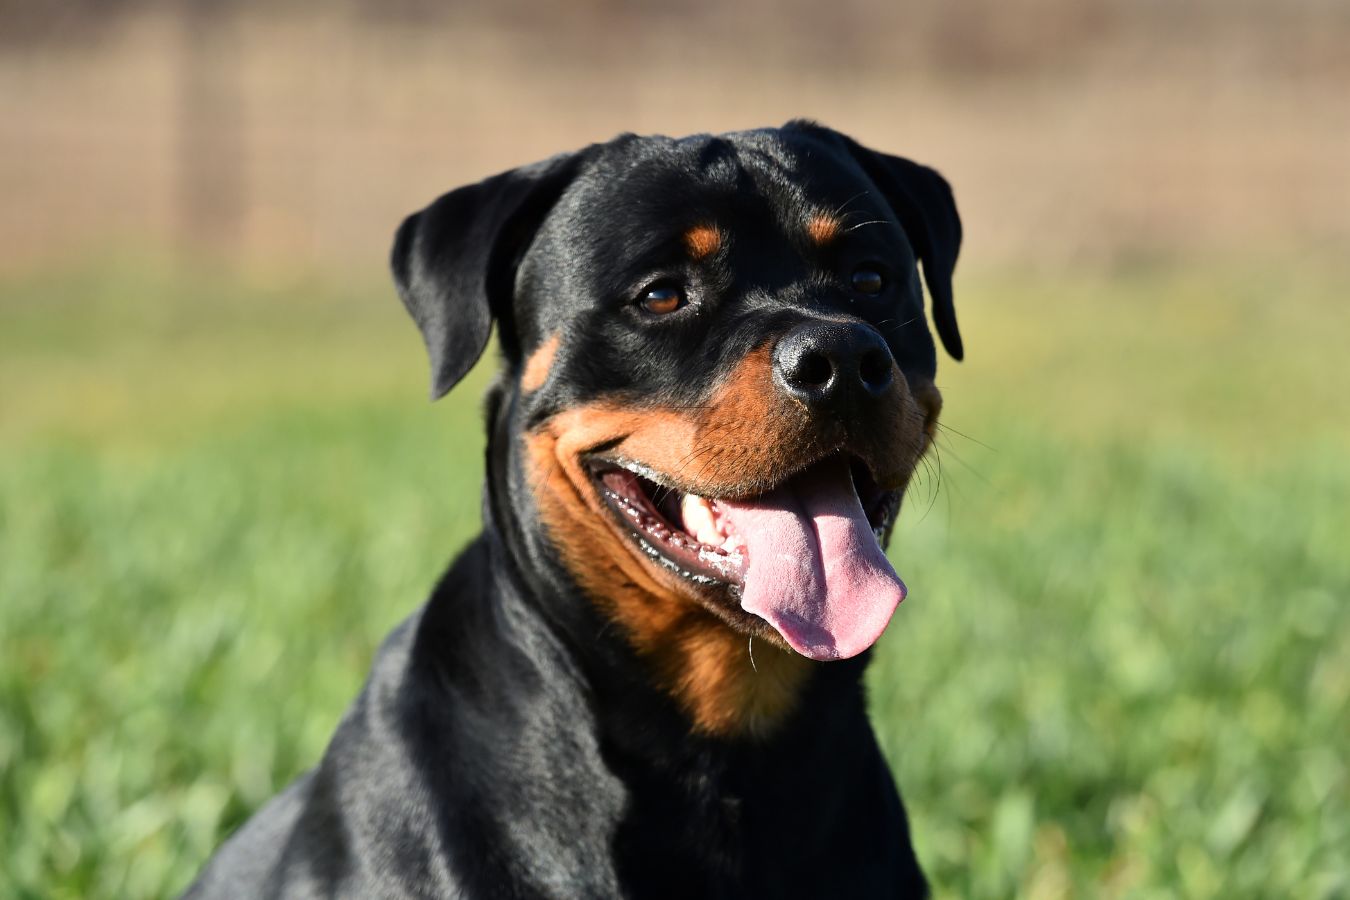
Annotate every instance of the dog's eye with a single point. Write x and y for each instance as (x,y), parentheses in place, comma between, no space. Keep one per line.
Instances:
(661,299)
(867,280)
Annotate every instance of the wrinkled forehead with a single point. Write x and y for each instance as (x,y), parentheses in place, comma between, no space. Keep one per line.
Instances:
(644,202)
(757,179)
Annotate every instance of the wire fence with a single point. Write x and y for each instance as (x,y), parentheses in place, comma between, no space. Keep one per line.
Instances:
(1102,131)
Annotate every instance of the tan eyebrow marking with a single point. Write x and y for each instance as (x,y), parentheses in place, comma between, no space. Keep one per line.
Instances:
(702,240)
(538,365)
(823,228)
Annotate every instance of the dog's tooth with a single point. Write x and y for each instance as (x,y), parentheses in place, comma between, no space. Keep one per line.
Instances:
(732,543)
(699,520)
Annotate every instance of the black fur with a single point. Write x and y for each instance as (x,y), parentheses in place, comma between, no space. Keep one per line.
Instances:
(509,742)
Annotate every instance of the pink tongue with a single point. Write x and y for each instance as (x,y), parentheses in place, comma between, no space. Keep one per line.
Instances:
(815,572)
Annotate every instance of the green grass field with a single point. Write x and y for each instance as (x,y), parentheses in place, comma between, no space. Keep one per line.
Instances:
(1123,670)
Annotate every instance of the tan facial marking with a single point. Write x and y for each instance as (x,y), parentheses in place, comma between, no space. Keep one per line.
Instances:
(823,228)
(746,438)
(694,656)
(702,241)
(538,365)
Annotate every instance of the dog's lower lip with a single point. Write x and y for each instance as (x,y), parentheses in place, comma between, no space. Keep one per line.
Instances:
(622,488)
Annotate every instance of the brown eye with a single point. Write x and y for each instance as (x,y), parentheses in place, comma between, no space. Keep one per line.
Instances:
(662,299)
(867,280)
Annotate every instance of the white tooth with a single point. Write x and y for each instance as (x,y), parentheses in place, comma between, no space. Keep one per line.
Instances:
(699,520)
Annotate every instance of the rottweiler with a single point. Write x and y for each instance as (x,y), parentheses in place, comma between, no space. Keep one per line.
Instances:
(643,678)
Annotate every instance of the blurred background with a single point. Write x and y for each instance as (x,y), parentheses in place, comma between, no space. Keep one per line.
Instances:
(1124,669)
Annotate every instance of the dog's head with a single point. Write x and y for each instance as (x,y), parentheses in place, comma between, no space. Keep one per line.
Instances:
(717,364)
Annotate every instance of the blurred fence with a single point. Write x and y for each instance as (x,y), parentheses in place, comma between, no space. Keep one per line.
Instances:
(1107,130)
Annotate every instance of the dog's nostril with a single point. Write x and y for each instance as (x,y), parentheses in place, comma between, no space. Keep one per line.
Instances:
(813,370)
(875,369)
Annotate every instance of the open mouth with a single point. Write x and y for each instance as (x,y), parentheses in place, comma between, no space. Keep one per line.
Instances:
(695,536)
(805,556)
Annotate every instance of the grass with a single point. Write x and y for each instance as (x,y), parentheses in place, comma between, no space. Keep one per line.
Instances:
(1124,669)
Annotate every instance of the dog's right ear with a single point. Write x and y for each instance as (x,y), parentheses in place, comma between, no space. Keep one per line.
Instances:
(455,261)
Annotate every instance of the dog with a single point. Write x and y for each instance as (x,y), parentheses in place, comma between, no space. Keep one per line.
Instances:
(643,678)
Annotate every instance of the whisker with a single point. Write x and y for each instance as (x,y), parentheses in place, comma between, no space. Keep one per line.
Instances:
(853,228)
(709,451)
(945,427)
(967,466)
(937,484)
(884,322)
(839,210)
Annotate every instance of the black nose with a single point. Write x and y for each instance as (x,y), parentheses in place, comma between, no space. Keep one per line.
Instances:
(833,364)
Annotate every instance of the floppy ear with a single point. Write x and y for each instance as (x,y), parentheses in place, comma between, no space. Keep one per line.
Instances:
(455,261)
(923,202)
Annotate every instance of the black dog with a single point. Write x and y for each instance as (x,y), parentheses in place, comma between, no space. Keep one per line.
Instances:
(716,382)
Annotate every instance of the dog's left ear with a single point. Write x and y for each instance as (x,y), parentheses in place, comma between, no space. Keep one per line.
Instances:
(455,261)
(923,202)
